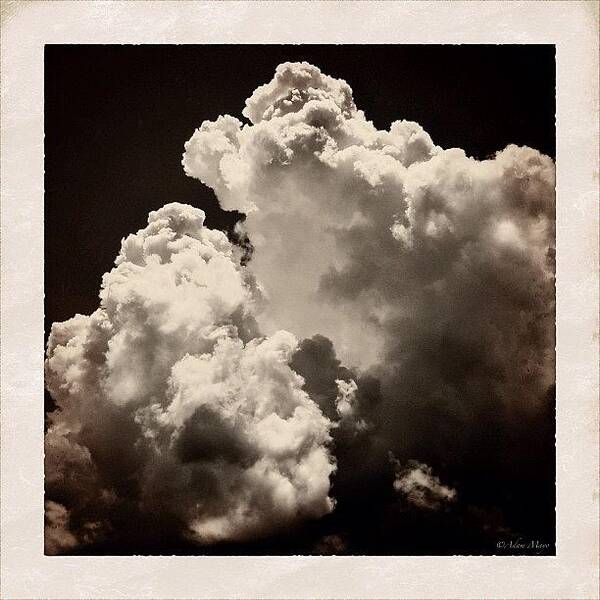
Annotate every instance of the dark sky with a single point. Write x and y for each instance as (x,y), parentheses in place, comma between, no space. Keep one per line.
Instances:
(116,119)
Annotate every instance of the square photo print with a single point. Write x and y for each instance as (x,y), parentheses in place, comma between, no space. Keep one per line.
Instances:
(299,299)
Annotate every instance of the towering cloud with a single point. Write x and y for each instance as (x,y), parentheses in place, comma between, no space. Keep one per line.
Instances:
(429,270)
(421,283)
(172,414)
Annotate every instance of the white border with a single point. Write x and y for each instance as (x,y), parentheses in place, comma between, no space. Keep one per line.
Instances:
(26,27)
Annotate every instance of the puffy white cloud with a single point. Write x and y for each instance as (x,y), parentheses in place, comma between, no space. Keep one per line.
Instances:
(294,85)
(416,482)
(311,173)
(356,230)
(346,396)
(431,273)
(171,408)
(351,226)
(428,269)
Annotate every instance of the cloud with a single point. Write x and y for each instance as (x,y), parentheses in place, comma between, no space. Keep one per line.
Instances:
(416,483)
(172,412)
(350,225)
(420,282)
(57,537)
(346,397)
(304,172)
(430,271)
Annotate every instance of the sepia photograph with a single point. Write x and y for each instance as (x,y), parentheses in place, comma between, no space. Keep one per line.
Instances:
(300,299)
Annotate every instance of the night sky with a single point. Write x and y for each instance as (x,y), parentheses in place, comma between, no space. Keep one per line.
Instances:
(116,119)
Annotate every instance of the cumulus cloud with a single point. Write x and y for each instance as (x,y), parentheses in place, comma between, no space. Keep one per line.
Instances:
(172,411)
(346,396)
(430,271)
(304,172)
(57,536)
(352,226)
(379,239)
(419,280)
(416,483)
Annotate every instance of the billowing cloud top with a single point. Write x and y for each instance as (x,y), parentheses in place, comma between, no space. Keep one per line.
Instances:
(167,402)
(357,230)
(430,271)
(294,85)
